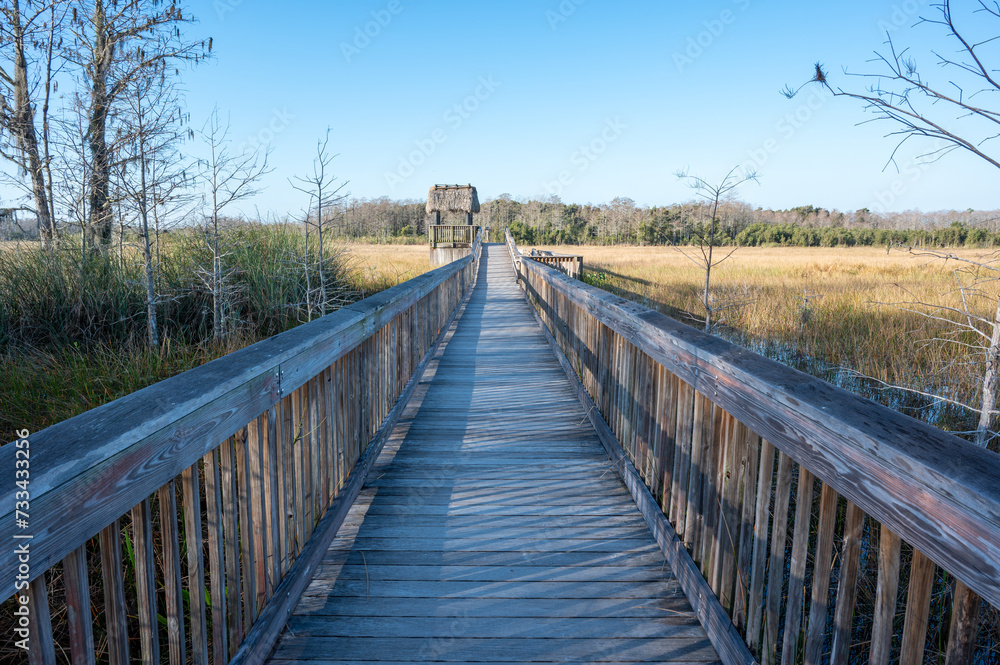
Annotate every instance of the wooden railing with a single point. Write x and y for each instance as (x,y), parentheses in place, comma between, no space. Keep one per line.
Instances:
(215,492)
(452,235)
(824,527)
(569,264)
(565,263)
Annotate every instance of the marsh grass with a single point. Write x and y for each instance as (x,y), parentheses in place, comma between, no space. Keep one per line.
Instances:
(826,311)
(72,326)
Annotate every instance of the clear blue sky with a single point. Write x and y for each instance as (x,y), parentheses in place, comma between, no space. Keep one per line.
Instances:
(587,99)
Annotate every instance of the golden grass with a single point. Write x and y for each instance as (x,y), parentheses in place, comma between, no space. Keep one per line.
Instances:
(849,321)
(377,267)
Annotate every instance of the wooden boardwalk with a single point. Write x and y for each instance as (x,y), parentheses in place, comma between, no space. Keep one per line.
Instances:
(493,529)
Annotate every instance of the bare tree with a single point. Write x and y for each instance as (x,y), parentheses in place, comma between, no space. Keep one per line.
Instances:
(116,44)
(151,172)
(227,177)
(324,193)
(705,236)
(28,34)
(943,112)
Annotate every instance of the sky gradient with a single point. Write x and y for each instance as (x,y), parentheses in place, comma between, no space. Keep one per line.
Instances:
(584,99)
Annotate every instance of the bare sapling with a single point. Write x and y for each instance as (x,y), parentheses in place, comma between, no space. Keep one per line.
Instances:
(151,172)
(324,192)
(704,237)
(227,177)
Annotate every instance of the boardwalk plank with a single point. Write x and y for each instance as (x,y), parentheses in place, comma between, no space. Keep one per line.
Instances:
(492,528)
(497,627)
(516,650)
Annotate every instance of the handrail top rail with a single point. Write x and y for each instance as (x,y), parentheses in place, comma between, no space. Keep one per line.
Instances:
(932,488)
(159,430)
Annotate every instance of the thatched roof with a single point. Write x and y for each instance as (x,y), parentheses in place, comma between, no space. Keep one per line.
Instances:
(452,198)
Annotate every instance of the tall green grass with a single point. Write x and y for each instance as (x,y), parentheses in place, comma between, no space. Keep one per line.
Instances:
(73,324)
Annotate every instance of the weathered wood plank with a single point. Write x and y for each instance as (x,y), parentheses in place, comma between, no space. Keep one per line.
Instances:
(918,602)
(667,607)
(41,647)
(496,627)
(174,607)
(847,584)
(145,582)
(499,650)
(114,594)
(337,568)
(797,574)
(885,598)
(374,588)
(755,609)
(78,618)
(822,568)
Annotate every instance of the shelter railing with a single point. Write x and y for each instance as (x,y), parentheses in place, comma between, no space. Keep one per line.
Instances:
(183,522)
(452,235)
(823,527)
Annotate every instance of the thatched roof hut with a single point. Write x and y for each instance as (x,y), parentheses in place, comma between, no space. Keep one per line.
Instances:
(452,198)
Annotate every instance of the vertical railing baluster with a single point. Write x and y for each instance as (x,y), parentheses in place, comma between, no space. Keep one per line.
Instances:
(190,488)
(216,558)
(797,574)
(41,647)
(79,620)
(145,582)
(174,608)
(964,624)
(776,567)
(748,477)
(847,585)
(918,603)
(114,594)
(231,542)
(822,569)
(761,525)
(884,614)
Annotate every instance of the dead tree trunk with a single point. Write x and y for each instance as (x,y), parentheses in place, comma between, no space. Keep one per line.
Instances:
(20,122)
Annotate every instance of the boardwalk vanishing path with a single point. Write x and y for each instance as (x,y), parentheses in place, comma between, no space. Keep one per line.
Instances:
(492,528)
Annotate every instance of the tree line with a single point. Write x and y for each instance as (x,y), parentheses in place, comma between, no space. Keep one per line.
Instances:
(551,222)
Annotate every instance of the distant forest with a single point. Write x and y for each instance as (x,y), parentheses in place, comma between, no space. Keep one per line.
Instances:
(552,222)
